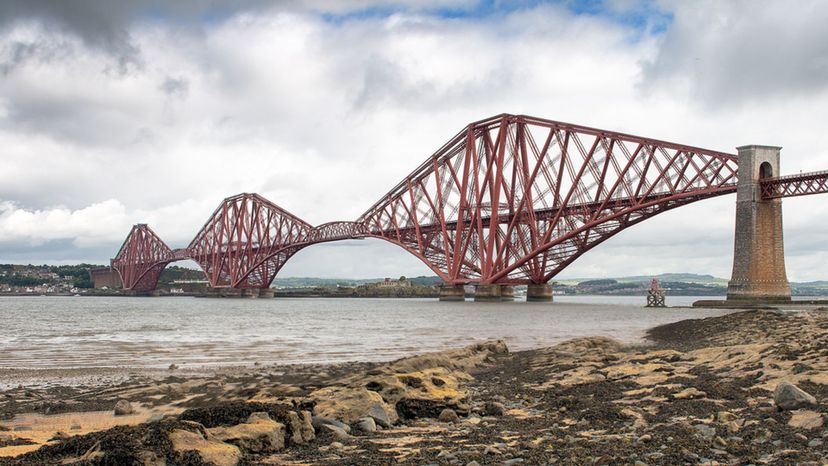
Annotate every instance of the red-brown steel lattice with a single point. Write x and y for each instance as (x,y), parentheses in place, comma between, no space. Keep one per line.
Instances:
(802,184)
(510,199)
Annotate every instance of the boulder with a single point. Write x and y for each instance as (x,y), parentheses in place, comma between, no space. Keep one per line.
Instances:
(212,451)
(260,434)
(367,425)
(123,407)
(301,427)
(338,432)
(319,422)
(788,396)
(349,404)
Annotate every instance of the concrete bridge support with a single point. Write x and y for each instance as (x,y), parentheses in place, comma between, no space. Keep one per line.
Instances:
(266,293)
(507,293)
(539,292)
(486,293)
(759,256)
(452,293)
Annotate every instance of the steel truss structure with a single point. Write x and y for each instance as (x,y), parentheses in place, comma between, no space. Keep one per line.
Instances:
(511,199)
(795,185)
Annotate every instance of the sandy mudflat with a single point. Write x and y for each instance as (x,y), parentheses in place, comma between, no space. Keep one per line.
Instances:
(702,393)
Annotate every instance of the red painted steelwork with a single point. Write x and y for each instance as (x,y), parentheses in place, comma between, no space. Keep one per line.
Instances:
(510,199)
(515,199)
(141,259)
(802,184)
(245,242)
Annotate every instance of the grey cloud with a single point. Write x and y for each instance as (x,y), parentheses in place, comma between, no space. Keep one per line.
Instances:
(175,87)
(728,53)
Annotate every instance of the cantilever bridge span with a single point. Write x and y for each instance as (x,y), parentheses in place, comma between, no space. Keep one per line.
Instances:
(508,200)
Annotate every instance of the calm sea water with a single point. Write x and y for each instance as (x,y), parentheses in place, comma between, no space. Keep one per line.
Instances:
(62,332)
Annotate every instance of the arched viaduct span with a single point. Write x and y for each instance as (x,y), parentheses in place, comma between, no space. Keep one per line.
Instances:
(508,200)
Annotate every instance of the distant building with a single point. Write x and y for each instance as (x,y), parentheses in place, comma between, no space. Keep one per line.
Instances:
(391,283)
(106,277)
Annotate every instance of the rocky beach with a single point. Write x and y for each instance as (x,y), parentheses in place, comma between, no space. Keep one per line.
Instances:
(743,388)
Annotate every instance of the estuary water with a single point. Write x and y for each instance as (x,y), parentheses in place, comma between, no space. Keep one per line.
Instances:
(85,332)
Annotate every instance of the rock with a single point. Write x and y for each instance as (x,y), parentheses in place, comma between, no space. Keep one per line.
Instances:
(725,416)
(318,422)
(210,451)
(491,451)
(337,445)
(301,427)
(349,404)
(788,396)
(22,428)
(645,438)
(447,455)
(156,418)
(380,416)
(805,419)
(123,408)
(689,393)
(172,367)
(367,425)
(75,426)
(472,463)
(448,415)
(493,408)
(513,461)
(815,443)
(705,431)
(260,434)
(338,432)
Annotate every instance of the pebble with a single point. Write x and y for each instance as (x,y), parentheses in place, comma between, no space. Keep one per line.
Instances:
(491,451)
(815,443)
(123,407)
(367,425)
(513,461)
(448,415)
(337,431)
(472,463)
(705,430)
(645,438)
(493,408)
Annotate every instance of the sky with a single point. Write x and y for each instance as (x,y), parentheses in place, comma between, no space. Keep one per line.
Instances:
(148,111)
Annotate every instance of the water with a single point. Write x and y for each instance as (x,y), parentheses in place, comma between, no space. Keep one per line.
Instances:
(80,332)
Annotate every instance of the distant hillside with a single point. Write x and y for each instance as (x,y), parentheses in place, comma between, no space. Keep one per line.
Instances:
(709,280)
(312,282)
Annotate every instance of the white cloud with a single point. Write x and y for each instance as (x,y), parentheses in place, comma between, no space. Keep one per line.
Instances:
(323,117)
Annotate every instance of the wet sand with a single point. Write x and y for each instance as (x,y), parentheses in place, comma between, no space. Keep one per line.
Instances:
(700,393)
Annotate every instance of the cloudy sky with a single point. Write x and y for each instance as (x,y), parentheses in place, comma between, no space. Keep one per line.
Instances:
(115,113)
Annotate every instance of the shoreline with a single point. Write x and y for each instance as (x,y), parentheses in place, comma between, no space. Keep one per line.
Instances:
(701,392)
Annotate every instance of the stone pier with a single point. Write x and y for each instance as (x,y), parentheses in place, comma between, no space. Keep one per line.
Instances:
(758,255)
(486,293)
(539,292)
(452,293)
(249,293)
(507,293)
(266,293)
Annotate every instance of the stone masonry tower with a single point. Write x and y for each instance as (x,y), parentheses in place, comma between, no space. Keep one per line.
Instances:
(758,255)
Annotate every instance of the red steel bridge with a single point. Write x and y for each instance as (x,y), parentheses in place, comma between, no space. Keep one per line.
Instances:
(508,200)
